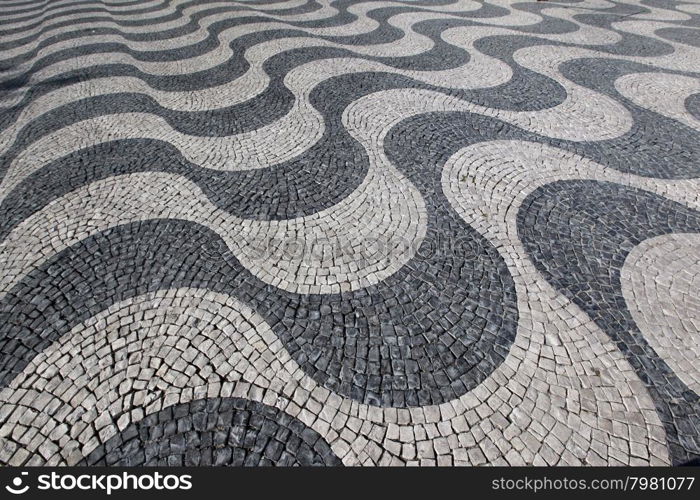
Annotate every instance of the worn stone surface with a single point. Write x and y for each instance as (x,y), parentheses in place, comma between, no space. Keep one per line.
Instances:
(216,431)
(290,232)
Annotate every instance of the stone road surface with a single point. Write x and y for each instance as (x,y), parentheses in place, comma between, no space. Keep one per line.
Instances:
(424,232)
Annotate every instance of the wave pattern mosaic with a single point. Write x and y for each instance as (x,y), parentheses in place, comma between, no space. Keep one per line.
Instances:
(313,232)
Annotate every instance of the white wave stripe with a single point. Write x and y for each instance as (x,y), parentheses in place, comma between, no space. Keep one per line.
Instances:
(147,361)
(663,13)
(506,172)
(272,144)
(384,194)
(175,43)
(522,371)
(363,239)
(20,5)
(118,57)
(659,280)
(693,8)
(363,24)
(238,355)
(588,119)
(169,9)
(480,71)
(411,44)
(683,57)
(36,24)
(486,183)
(57,6)
(563,386)
(361,10)
(256,55)
(661,93)
(222,53)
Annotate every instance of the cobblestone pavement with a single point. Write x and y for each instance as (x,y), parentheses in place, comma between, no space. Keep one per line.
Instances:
(317,232)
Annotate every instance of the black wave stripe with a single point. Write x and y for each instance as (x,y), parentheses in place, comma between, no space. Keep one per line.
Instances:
(669,150)
(221,74)
(24,6)
(292,189)
(329,173)
(429,333)
(486,10)
(661,146)
(164,55)
(514,95)
(383,34)
(309,6)
(77,8)
(336,165)
(247,116)
(34,10)
(274,104)
(548,24)
(688,36)
(692,105)
(426,335)
(145,36)
(255,16)
(673,5)
(578,234)
(33,5)
(85,11)
(215,432)
(315,180)
(630,44)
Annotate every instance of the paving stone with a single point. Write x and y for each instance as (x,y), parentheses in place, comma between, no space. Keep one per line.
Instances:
(407,234)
